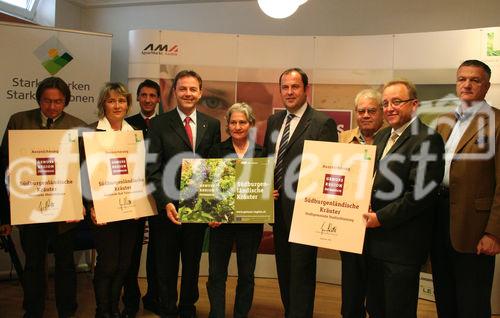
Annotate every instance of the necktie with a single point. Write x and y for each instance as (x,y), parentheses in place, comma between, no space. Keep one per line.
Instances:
(390,143)
(147,120)
(189,132)
(279,169)
(50,121)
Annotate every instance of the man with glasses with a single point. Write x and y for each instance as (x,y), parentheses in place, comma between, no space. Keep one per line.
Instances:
(467,230)
(52,95)
(409,169)
(370,119)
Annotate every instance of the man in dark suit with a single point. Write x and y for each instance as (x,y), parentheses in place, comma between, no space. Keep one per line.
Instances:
(148,96)
(409,169)
(52,95)
(467,232)
(284,139)
(180,133)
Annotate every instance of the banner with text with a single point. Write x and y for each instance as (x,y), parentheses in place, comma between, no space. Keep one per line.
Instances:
(334,191)
(44,178)
(227,190)
(115,164)
(33,53)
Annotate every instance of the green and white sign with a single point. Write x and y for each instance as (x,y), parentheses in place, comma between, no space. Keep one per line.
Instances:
(227,191)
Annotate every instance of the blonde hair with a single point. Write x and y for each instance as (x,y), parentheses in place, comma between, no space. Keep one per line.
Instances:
(412,90)
(116,87)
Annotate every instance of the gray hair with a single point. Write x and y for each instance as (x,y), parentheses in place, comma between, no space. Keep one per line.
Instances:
(241,108)
(369,93)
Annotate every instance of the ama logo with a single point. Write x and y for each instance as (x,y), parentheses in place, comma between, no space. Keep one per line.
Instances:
(160,49)
(53,55)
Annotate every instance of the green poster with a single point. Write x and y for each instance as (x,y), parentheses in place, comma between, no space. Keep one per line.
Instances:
(227,191)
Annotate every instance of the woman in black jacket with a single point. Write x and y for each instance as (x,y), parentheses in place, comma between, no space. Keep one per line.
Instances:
(240,120)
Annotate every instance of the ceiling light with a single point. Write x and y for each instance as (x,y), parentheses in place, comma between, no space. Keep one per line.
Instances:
(280,9)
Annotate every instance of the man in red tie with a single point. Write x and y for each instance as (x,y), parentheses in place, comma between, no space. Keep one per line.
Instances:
(148,96)
(180,133)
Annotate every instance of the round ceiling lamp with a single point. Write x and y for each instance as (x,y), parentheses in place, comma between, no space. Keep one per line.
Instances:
(280,9)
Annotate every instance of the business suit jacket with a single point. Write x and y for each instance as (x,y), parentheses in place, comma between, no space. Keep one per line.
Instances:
(168,139)
(170,143)
(406,219)
(295,263)
(313,125)
(138,122)
(30,119)
(474,183)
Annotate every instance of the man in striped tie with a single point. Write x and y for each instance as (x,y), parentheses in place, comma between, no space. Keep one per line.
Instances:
(284,140)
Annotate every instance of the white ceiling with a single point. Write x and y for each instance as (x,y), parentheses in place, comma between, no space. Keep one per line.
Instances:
(116,3)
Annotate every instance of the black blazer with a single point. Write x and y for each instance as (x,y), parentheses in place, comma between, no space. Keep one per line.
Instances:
(169,143)
(313,125)
(138,122)
(226,149)
(406,218)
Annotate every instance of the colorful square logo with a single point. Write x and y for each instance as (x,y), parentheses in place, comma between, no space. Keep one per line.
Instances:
(53,55)
(45,166)
(118,166)
(333,184)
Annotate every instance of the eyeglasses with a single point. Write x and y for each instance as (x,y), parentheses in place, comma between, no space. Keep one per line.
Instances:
(396,102)
(57,102)
(120,101)
(370,111)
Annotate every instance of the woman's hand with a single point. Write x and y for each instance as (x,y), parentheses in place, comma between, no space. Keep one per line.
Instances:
(275,195)
(214,225)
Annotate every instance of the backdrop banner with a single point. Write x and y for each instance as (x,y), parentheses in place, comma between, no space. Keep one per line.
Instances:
(246,68)
(32,53)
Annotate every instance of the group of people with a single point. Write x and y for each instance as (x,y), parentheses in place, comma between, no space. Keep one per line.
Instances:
(428,198)
(434,194)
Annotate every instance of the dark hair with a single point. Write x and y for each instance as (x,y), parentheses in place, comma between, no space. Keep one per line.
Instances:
(53,82)
(186,73)
(303,75)
(151,84)
(477,63)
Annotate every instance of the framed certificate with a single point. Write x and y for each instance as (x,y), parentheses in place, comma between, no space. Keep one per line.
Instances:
(333,192)
(44,177)
(227,190)
(116,170)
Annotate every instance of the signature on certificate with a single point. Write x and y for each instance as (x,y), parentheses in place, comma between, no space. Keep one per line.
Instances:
(46,205)
(124,203)
(328,228)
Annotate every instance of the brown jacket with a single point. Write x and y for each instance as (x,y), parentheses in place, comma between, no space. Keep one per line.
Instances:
(474,182)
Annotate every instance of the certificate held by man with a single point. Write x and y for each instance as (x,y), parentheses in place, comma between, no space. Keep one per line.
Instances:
(227,191)
(115,163)
(333,192)
(44,177)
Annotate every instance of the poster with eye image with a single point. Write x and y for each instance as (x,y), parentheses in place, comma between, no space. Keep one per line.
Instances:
(44,177)
(115,164)
(334,190)
(227,190)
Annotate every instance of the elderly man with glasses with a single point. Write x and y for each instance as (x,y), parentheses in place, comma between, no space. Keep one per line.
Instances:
(370,119)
